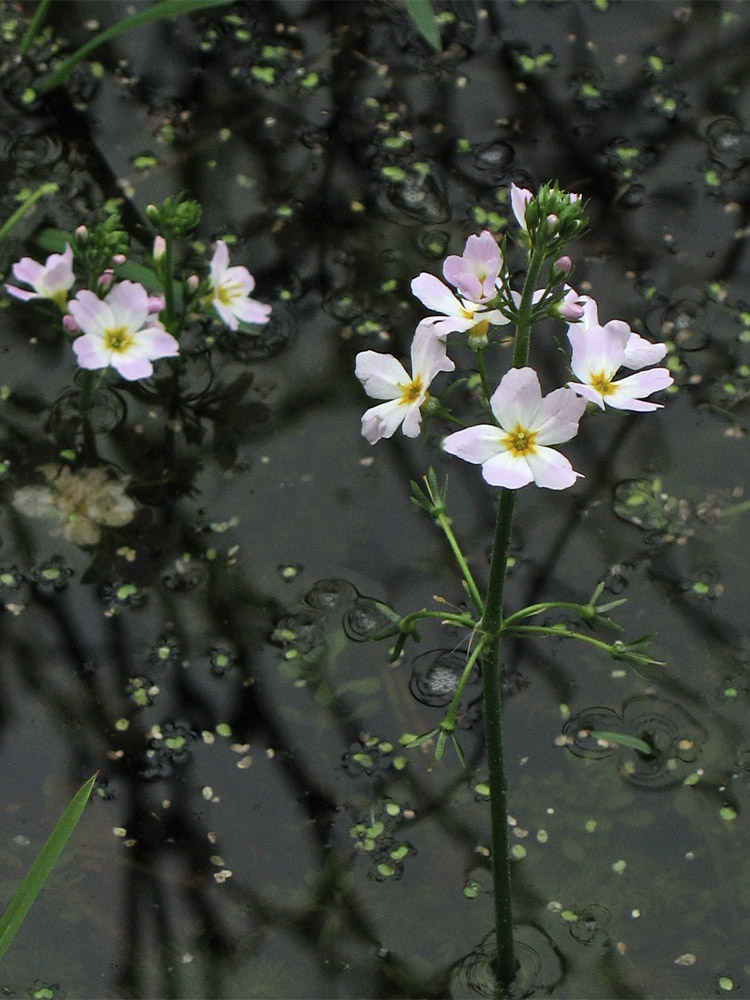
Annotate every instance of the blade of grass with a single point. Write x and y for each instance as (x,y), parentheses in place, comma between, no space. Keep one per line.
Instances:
(33,29)
(423,16)
(48,188)
(27,891)
(158,12)
(623,740)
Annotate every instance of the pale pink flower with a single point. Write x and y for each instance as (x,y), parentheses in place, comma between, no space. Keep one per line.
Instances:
(230,291)
(458,315)
(384,377)
(475,274)
(598,353)
(516,451)
(119,331)
(519,199)
(51,280)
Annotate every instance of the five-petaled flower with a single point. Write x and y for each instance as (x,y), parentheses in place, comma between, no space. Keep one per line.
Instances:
(119,331)
(384,377)
(599,351)
(476,276)
(516,451)
(51,280)
(230,291)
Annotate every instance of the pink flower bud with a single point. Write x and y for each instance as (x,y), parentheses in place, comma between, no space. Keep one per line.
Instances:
(119,258)
(570,311)
(70,324)
(563,265)
(193,282)
(82,233)
(155,304)
(160,247)
(105,279)
(552,221)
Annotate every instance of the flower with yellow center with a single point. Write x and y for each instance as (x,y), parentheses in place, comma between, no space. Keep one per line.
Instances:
(515,451)
(119,331)
(230,291)
(599,351)
(384,377)
(51,280)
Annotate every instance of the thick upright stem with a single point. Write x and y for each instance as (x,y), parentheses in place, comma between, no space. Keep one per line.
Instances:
(505,962)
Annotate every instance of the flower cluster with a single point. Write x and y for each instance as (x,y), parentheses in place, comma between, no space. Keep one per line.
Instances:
(515,448)
(117,324)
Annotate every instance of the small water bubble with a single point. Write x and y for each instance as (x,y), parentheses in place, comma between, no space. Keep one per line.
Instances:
(325,595)
(494,157)
(432,243)
(728,142)
(589,925)
(363,619)
(435,676)
(417,196)
(302,630)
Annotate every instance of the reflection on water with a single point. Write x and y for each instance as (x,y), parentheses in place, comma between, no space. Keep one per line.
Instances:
(258,830)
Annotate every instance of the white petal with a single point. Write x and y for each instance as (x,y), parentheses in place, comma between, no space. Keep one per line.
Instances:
(475,444)
(640,352)
(508,470)
(428,354)
(432,293)
(382,421)
(380,374)
(557,417)
(517,398)
(551,470)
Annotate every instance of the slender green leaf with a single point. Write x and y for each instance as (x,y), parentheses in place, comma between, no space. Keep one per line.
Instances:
(33,29)
(27,891)
(423,16)
(48,188)
(624,740)
(157,12)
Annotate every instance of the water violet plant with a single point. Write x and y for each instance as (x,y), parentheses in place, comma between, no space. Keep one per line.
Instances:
(512,431)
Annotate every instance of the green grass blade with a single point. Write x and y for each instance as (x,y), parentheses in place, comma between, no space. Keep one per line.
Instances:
(49,188)
(423,16)
(157,12)
(27,891)
(623,740)
(33,29)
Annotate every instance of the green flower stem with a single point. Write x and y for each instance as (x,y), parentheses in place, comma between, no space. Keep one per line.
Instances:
(483,375)
(451,713)
(586,612)
(558,632)
(473,591)
(505,962)
(87,390)
(168,283)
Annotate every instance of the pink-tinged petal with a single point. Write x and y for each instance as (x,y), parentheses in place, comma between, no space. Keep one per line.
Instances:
(476,272)
(590,311)
(59,268)
(459,275)
(219,262)
(519,199)
(507,470)
(380,374)
(428,354)
(90,352)
(443,325)
(241,277)
(432,293)
(588,393)
(494,316)
(91,313)
(132,368)
(556,419)
(628,392)
(551,470)
(517,398)
(29,271)
(251,311)
(476,444)
(639,352)
(157,342)
(21,293)
(382,421)
(597,350)
(128,301)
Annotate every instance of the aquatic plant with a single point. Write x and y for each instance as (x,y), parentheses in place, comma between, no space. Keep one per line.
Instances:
(513,444)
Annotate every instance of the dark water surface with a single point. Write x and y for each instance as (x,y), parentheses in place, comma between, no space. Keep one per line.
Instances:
(258,831)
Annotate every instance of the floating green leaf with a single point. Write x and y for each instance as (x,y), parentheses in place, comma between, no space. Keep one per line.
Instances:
(624,740)
(423,16)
